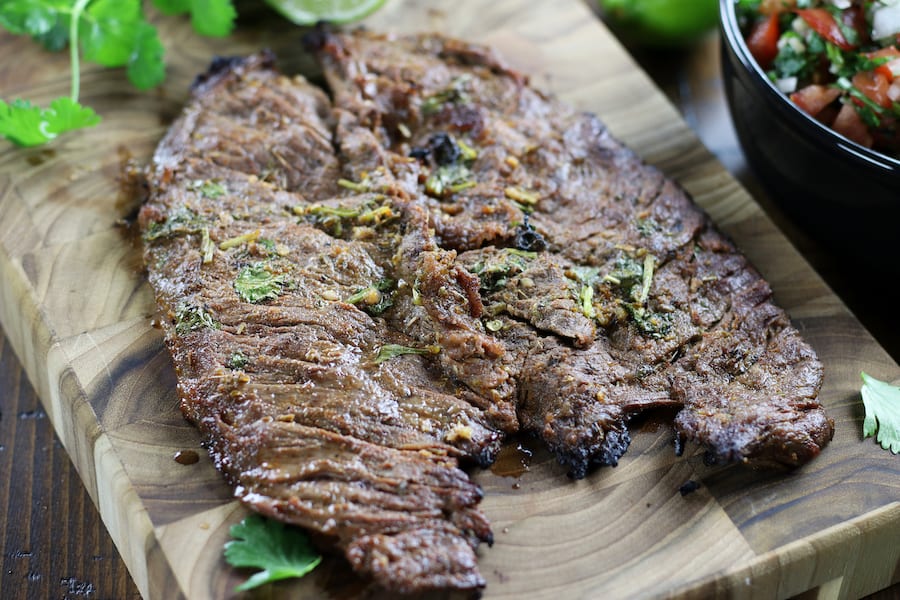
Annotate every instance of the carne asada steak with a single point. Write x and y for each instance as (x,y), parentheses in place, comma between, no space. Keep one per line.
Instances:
(366,294)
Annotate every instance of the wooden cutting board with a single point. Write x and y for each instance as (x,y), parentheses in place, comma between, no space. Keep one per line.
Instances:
(77,309)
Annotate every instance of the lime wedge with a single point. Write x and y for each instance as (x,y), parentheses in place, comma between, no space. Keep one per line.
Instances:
(310,12)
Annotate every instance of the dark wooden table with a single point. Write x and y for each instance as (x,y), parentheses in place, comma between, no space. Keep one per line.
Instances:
(75,558)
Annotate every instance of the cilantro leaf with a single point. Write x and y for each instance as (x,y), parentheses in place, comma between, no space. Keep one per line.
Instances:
(28,125)
(255,283)
(280,551)
(214,18)
(172,7)
(24,17)
(108,29)
(57,38)
(146,68)
(47,21)
(112,33)
(65,115)
(882,403)
(22,123)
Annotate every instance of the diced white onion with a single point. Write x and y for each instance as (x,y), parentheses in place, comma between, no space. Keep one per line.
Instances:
(885,20)
(841,4)
(894,92)
(787,85)
(793,41)
(801,27)
(894,66)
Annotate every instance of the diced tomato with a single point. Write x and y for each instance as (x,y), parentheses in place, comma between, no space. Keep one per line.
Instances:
(890,69)
(824,24)
(814,98)
(889,52)
(763,41)
(874,85)
(852,127)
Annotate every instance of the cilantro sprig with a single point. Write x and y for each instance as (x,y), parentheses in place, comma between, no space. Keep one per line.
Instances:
(882,404)
(280,551)
(111,33)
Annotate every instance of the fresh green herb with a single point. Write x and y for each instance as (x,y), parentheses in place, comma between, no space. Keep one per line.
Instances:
(112,33)
(882,404)
(280,551)
(180,222)
(525,199)
(646,278)
(237,360)
(207,248)
(329,218)
(869,111)
(255,283)
(360,188)
(27,125)
(208,188)
(377,216)
(530,255)
(626,274)
(586,275)
(191,318)
(850,34)
(238,240)
(747,11)
(322,211)
(454,94)
(655,325)
(268,244)
(652,324)
(838,65)
(634,280)
(495,271)
(586,297)
(389,351)
(375,299)
(647,226)
(214,18)
(793,59)
(447,180)
(467,152)
(815,44)
(332,218)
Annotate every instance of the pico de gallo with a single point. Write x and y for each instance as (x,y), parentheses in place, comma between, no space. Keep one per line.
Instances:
(838,60)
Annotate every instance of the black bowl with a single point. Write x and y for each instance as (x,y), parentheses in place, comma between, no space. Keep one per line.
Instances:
(842,194)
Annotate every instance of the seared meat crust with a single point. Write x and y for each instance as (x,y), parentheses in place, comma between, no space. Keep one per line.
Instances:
(365,293)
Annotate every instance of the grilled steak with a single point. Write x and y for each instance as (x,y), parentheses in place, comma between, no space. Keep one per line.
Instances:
(365,294)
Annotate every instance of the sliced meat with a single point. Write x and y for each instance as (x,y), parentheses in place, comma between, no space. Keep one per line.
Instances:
(628,277)
(366,294)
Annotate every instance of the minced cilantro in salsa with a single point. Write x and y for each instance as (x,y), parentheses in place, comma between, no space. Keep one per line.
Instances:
(838,60)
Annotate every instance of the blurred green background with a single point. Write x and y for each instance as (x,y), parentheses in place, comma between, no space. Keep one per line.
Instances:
(659,23)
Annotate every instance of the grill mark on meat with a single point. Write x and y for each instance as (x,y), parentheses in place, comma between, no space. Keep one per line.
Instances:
(632,301)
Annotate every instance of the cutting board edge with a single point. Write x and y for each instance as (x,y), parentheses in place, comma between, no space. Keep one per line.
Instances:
(62,396)
(831,562)
(94,454)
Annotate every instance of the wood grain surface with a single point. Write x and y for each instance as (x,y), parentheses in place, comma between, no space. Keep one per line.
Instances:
(78,312)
